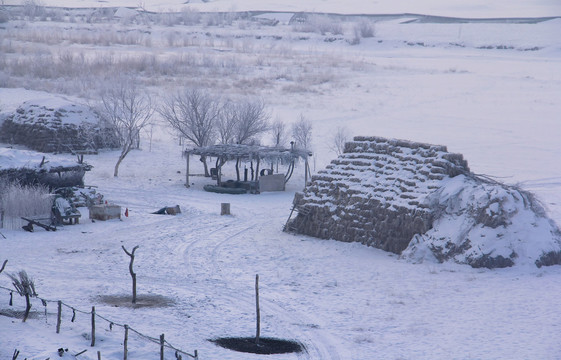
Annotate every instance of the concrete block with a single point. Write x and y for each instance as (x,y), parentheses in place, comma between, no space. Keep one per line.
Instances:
(271,182)
(105,212)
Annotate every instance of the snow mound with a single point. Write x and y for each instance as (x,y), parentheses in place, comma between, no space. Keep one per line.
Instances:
(486,224)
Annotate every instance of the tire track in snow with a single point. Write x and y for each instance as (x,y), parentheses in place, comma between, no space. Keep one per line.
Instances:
(202,257)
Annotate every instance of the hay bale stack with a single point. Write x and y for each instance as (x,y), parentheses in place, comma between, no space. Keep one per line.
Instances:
(58,127)
(385,192)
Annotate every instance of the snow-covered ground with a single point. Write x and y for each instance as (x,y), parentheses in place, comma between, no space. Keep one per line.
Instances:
(498,107)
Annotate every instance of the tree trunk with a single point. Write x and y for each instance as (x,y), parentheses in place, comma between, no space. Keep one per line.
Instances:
(116,172)
(205,165)
(133,288)
(27,307)
(238,168)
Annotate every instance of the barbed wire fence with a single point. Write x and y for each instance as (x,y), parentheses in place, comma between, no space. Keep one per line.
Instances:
(94,315)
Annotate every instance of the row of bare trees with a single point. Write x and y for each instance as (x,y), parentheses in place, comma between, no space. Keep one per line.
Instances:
(198,116)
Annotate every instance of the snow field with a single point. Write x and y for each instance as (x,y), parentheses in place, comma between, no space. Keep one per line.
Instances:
(497,107)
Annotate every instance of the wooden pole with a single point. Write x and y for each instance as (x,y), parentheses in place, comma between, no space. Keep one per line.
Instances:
(187,171)
(59,317)
(99,355)
(196,355)
(258,332)
(93,326)
(306,173)
(125,342)
(162,347)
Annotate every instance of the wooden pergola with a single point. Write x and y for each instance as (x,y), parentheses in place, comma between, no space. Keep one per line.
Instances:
(239,152)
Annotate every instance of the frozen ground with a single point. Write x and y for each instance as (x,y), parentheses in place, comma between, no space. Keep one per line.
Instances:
(498,107)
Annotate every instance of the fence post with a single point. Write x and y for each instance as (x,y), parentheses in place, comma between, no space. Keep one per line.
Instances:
(93,325)
(196,355)
(98,355)
(162,347)
(59,315)
(125,342)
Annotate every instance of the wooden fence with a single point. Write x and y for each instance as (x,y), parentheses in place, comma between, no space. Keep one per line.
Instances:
(161,341)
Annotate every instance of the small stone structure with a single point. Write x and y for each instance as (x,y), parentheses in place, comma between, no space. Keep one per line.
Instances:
(421,201)
(105,212)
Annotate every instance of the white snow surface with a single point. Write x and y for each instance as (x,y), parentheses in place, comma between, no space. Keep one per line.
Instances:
(11,158)
(499,108)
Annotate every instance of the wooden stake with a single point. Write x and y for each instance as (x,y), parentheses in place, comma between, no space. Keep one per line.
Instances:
(187,171)
(93,326)
(258,332)
(162,347)
(98,355)
(59,317)
(125,342)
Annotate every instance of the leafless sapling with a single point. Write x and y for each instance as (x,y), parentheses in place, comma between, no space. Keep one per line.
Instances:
(302,133)
(339,139)
(24,286)
(127,109)
(133,274)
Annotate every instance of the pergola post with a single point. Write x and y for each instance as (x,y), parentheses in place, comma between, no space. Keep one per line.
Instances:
(188,155)
(306,173)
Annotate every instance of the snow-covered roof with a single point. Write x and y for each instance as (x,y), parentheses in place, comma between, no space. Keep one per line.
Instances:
(250,152)
(25,159)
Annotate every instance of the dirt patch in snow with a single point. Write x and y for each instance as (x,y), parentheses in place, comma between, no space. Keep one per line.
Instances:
(149,300)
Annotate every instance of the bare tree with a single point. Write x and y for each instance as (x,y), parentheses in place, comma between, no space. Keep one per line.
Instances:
(302,133)
(251,120)
(226,124)
(194,114)
(339,139)
(133,274)
(25,286)
(128,109)
(279,133)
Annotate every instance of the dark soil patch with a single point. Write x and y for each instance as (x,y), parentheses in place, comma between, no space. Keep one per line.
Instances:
(267,346)
(17,314)
(151,300)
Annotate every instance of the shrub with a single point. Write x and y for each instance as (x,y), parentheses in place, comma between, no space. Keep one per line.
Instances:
(27,201)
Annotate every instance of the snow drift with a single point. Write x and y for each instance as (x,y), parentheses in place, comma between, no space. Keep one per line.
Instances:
(484,223)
